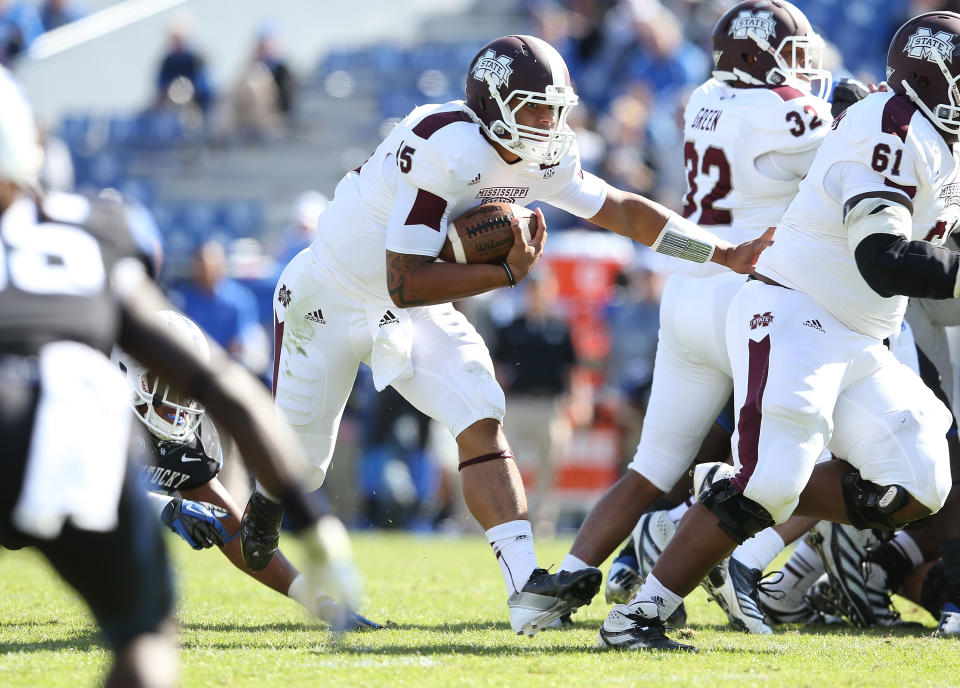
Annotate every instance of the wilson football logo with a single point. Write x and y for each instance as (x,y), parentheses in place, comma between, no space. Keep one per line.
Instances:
(759,25)
(496,67)
(922,44)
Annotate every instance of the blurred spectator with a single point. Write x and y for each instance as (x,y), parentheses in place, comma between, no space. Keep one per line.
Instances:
(270,52)
(57,173)
(397,478)
(535,363)
(56,13)
(633,321)
(259,102)
(302,225)
(19,26)
(182,78)
(224,308)
(227,311)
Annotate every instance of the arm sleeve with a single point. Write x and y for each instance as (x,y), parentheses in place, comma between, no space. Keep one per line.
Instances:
(892,265)
(877,217)
(785,166)
(583,196)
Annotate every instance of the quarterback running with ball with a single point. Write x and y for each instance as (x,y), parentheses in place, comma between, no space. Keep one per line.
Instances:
(370,290)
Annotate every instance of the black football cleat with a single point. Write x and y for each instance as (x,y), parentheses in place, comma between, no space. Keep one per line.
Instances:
(548,596)
(260,531)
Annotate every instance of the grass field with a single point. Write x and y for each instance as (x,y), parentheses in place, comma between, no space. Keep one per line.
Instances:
(445,603)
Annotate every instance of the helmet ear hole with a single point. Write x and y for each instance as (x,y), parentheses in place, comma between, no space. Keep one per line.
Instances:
(921,80)
(749,59)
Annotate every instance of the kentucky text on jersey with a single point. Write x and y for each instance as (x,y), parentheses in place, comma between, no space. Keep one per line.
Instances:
(164,478)
(706,119)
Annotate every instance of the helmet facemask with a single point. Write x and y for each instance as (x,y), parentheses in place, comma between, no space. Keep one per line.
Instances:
(806,55)
(168,414)
(944,116)
(543,146)
(799,63)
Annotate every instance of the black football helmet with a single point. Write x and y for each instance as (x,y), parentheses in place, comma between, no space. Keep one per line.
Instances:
(923,63)
(506,75)
(769,42)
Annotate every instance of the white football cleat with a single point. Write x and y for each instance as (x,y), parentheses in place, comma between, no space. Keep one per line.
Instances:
(842,550)
(949,625)
(622,582)
(706,474)
(734,587)
(636,627)
(546,597)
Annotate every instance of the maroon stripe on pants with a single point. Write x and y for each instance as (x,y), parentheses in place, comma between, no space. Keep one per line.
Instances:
(277,342)
(751,414)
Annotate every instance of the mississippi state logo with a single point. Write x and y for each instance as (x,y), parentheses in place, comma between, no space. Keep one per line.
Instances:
(759,320)
(924,42)
(496,67)
(284,296)
(759,24)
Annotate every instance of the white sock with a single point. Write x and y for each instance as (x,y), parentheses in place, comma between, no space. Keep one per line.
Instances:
(299,591)
(654,591)
(677,512)
(572,563)
(758,551)
(259,488)
(908,547)
(802,570)
(512,542)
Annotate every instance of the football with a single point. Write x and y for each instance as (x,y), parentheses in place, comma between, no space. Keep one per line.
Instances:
(483,235)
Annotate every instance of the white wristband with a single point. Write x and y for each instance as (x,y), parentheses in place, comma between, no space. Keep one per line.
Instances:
(683,239)
(158,501)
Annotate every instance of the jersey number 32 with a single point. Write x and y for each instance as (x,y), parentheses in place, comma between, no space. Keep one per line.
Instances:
(712,168)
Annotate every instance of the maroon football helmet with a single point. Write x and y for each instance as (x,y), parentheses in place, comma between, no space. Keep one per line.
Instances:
(920,64)
(769,42)
(508,74)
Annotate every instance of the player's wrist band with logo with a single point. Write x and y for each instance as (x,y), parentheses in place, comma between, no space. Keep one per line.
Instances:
(683,239)
(509,272)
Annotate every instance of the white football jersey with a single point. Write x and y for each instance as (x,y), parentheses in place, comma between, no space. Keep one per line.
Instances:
(726,131)
(432,167)
(894,148)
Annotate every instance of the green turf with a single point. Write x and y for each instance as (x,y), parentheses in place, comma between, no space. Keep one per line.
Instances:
(445,603)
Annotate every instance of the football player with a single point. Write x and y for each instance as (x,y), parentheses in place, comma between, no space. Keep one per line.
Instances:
(72,286)
(370,290)
(182,478)
(751,133)
(805,336)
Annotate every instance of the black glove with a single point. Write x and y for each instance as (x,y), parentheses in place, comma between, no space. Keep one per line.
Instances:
(846,92)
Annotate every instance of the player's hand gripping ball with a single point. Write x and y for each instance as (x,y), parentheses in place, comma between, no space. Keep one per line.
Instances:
(483,235)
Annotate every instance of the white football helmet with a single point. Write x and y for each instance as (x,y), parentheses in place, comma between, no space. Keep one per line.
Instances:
(21,155)
(168,414)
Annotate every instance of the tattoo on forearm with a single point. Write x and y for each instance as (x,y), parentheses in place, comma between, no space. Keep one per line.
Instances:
(399,266)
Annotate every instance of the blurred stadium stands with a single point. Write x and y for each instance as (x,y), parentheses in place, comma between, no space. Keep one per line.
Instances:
(361,69)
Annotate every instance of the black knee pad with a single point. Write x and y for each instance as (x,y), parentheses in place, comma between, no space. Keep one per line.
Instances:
(740,517)
(870,505)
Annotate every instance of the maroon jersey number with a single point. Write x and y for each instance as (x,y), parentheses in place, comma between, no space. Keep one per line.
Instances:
(713,159)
